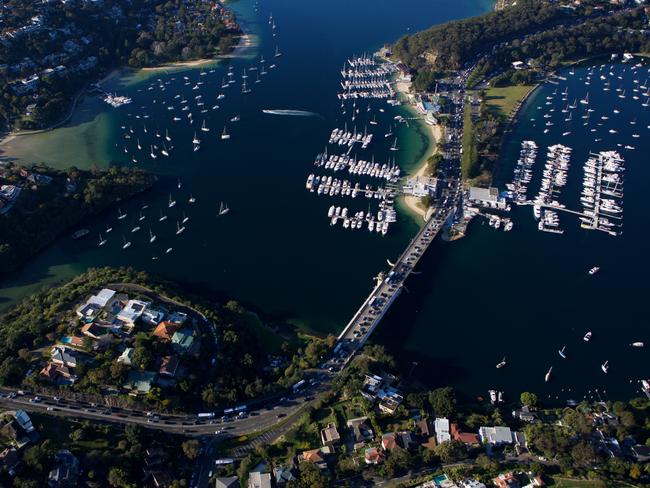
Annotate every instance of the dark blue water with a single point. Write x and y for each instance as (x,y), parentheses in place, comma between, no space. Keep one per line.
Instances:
(525,294)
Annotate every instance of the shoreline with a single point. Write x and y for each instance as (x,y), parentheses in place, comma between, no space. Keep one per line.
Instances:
(245,42)
(434,134)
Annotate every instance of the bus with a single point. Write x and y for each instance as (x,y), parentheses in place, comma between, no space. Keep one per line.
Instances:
(206,415)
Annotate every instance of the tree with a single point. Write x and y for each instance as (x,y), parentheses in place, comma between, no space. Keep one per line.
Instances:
(528,399)
(310,477)
(443,401)
(118,478)
(451,451)
(191,449)
(583,454)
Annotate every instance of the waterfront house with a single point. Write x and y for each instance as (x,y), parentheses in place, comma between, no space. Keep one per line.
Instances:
(94,331)
(525,414)
(441,426)
(131,313)
(152,316)
(486,197)
(464,437)
(495,436)
(471,483)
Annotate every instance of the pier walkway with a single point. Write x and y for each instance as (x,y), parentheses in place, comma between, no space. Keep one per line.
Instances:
(388,288)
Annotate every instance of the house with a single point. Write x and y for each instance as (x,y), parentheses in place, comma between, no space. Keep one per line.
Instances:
(178,318)
(65,472)
(389,441)
(283,475)
(59,355)
(441,426)
(95,304)
(389,400)
(486,197)
(227,482)
(12,430)
(471,483)
(125,357)
(506,480)
(94,331)
(330,436)
(405,439)
(183,341)
(372,455)
(316,456)
(424,431)
(140,381)
(370,387)
(168,366)
(464,437)
(360,430)
(132,312)
(495,436)
(57,373)
(152,316)
(165,331)
(259,480)
(521,446)
(9,459)
(525,414)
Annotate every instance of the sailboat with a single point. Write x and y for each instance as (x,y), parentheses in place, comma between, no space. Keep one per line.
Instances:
(152,236)
(152,154)
(196,140)
(562,353)
(277,52)
(162,217)
(394,146)
(164,150)
(108,229)
(236,118)
(179,184)
(244,89)
(585,101)
(185,218)
(120,215)
(605,366)
(167,136)
(179,229)
(205,128)
(102,241)
(224,134)
(142,217)
(192,199)
(171,202)
(547,377)
(126,244)
(223,209)
(139,146)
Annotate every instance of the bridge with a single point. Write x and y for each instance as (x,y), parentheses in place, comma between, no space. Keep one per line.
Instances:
(388,288)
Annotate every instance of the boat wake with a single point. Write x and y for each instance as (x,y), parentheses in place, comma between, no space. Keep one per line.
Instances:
(295,113)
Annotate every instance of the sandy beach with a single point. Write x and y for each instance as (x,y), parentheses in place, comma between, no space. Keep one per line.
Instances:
(436,131)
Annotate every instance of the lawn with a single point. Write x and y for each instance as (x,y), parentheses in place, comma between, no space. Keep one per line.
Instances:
(573,483)
(503,100)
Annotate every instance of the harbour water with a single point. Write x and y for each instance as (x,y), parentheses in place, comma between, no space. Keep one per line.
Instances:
(525,294)
(522,294)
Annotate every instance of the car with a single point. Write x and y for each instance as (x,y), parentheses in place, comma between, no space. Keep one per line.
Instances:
(49,409)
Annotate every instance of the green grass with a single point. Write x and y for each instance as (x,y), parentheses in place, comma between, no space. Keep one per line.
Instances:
(503,100)
(559,482)
(469,161)
(271,341)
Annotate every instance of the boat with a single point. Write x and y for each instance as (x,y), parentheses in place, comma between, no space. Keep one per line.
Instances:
(585,101)
(605,366)
(191,199)
(80,233)
(637,344)
(120,215)
(205,128)
(185,218)
(493,396)
(547,377)
(167,136)
(102,241)
(152,236)
(162,217)
(587,336)
(502,363)
(594,270)
(277,52)
(108,229)
(169,249)
(179,229)
(562,353)
(223,209)
(196,140)
(224,134)
(126,244)
(142,217)
(394,146)
(135,228)
(171,202)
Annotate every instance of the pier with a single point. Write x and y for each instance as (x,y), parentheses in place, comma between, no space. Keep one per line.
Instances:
(389,286)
